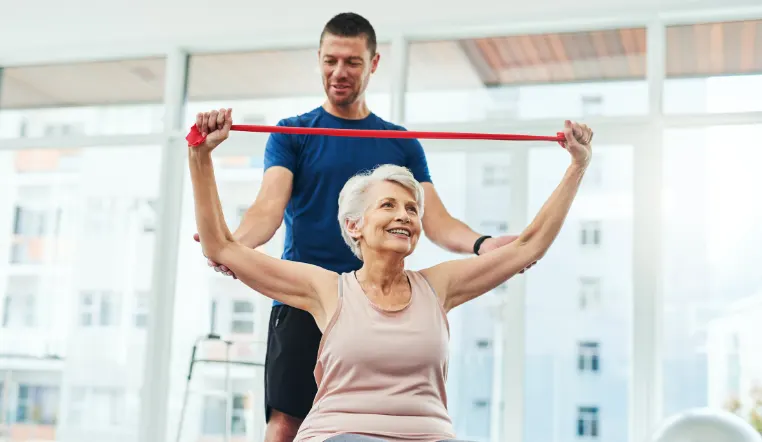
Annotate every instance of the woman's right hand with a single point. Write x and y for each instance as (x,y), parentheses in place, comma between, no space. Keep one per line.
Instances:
(578,138)
(215,126)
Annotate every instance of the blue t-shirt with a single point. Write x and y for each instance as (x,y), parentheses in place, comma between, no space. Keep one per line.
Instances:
(321,166)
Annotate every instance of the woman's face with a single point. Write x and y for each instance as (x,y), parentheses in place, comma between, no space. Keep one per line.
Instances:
(391,222)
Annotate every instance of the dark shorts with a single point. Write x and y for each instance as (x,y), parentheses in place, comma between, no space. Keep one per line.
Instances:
(293,339)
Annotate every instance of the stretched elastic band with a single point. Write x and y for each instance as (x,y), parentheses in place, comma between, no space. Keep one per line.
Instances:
(195,138)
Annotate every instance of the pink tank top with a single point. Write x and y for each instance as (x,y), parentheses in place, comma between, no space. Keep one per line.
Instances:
(382,373)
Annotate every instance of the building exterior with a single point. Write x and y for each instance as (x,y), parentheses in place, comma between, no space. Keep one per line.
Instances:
(735,362)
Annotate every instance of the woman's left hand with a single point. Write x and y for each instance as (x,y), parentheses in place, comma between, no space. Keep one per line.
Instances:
(578,139)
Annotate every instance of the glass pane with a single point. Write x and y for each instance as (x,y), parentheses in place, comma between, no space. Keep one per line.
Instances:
(714,68)
(266,86)
(569,75)
(579,303)
(203,293)
(97,98)
(711,278)
(58,356)
(473,186)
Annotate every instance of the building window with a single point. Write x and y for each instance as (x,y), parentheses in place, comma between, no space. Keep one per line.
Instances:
(19,311)
(587,422)
(96,407)
(99,309)
(141,310)
(495,175)
(37,405)
(589,357)
(242,318)
(32,222)
(483,344)
(146,209)
(590,233)
(496,227)
(592,105)
(589,293)
(214,416)
(481,403)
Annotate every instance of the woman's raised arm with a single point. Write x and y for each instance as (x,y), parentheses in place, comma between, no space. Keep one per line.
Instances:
(296,284)
(461,280)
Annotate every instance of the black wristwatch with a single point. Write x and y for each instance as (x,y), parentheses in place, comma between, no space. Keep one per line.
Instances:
(479,242)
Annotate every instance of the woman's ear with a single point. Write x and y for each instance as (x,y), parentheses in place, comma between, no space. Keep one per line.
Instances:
(353,228)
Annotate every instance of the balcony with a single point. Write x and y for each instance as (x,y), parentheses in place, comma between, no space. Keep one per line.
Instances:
(25,348)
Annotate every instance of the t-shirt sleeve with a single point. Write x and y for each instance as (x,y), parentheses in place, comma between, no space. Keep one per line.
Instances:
(281,150)
(417,163)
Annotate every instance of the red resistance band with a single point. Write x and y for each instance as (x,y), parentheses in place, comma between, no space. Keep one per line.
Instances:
(195,138)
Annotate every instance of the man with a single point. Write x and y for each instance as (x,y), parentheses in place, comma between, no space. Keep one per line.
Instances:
(303,177)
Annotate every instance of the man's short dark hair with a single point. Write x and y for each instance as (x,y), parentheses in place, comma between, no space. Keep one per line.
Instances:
(349,24)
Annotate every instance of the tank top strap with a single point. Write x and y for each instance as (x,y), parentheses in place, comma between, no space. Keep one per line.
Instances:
(423,287)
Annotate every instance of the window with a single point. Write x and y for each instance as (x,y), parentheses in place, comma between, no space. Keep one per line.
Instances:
(214,416)
(481,403)
(714,68)
(587,422)
(19,311)
(263,87)
(590,233)
(568,320)
(141,310)
(20,302)
(498,227)
(35,220)
(99,309)
(592,105)
(589,293)
(243,317)
(712,247)
(146,210)
(96,408)
(588,359)
(524,77)
(494,176)
(37,404)
(93,98)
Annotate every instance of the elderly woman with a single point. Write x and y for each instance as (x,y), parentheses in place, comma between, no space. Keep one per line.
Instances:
(383,358)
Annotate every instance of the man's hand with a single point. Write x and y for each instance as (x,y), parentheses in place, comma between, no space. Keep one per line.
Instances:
(491,244)
(217,267)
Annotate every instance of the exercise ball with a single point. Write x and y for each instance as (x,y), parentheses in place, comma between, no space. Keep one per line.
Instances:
(706,425)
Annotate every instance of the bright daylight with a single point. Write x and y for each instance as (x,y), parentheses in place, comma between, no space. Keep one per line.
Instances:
(393,222)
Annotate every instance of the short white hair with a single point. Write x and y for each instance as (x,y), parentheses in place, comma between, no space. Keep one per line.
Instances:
(353,201)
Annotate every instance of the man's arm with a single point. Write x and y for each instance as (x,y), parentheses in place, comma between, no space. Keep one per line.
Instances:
(449,232)
(442,228)
(264,217)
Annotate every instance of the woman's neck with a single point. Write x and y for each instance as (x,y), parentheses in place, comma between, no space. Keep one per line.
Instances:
(382,273)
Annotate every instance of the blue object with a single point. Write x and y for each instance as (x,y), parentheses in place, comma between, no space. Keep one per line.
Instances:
(321,166)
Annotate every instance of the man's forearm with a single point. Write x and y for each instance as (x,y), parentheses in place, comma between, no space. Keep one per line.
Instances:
(452,234)
(258,226)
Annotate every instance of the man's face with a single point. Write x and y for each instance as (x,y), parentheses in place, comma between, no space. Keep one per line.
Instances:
(346,65)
